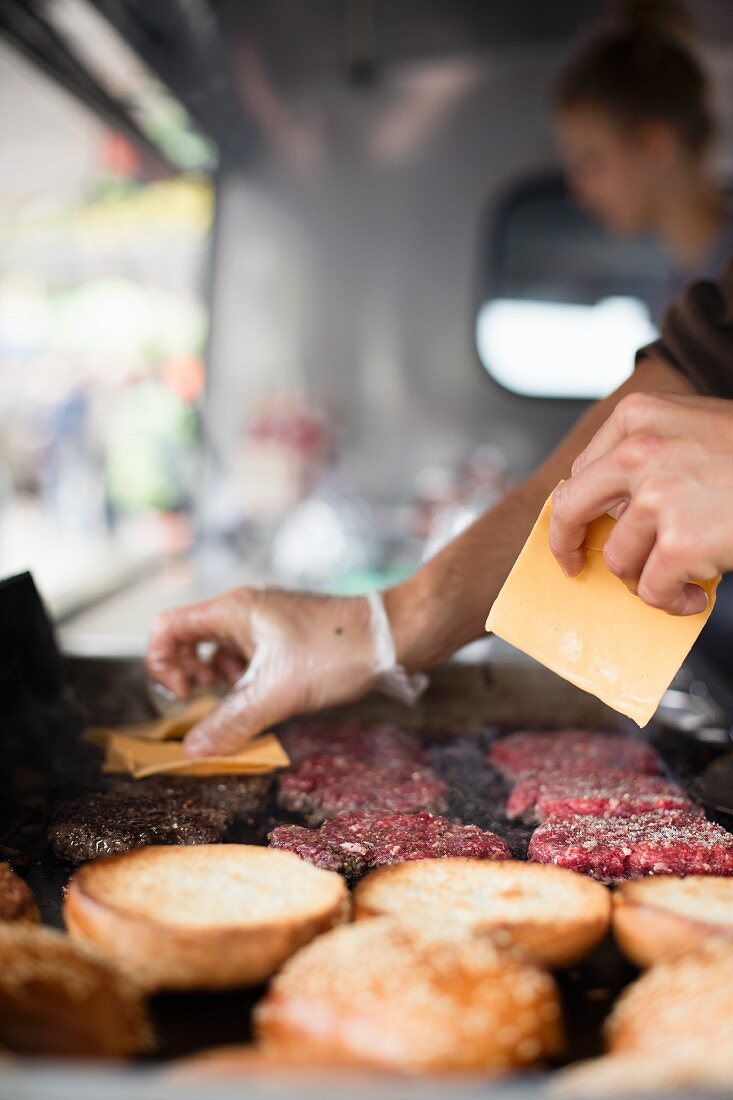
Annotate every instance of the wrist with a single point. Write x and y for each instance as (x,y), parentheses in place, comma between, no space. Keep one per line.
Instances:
(415,623)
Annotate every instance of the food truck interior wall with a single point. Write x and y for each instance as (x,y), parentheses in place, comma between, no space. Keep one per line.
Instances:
(350,228)
(349,240)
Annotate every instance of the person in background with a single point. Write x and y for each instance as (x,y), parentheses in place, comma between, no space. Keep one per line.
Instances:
(636,132)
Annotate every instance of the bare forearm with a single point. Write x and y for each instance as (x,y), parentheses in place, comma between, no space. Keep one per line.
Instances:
(444,606)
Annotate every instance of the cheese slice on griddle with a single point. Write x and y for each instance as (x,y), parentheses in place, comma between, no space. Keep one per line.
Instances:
(591,629)
(142,758)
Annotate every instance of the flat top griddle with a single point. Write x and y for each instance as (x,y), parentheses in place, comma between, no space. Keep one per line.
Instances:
(465,709)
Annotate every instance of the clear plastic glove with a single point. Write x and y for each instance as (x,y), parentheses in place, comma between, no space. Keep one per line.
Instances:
(282,653)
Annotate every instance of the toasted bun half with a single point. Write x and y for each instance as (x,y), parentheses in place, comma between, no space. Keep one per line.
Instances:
(665,916)
(412,997)
(635,1075)
(17,901)
(212,916)
(682,1009)
(59,998)
(555,915)
(247,1061)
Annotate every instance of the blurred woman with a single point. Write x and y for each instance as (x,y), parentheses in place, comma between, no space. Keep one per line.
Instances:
(636,132)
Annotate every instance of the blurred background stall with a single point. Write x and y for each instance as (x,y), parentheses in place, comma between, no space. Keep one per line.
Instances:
(293,290)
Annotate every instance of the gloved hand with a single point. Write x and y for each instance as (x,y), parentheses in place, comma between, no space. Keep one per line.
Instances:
(284,653)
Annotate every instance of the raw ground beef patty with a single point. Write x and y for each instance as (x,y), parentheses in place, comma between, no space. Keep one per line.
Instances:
(525,753)
(348,766)
(617,848)
(359,842)
(357,740)
(326,786)
(600,794)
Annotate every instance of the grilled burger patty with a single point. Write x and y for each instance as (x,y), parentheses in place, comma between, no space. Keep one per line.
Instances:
(359,842)
(105,823)
(238,795)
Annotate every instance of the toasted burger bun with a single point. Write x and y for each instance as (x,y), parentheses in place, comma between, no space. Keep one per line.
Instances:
(17,902)
(666,916)
(682,1008)
(412,997)
(60,998)
(212,916)
(555,915)
(635,1075)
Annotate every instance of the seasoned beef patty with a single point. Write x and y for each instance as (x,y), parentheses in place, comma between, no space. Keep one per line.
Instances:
(523,753)
(617,848)
(349,737)
(476,794)
(103,823)
(323,787)
(359,842)
(600,794)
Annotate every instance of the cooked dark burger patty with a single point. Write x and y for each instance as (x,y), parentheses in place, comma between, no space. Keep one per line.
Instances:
(359,842)
(600,794)
(323,787)
(525,753)
(616,848)
(238,795)
(107,822)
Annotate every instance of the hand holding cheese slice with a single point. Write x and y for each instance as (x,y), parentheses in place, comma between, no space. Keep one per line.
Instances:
(591,629)
(169,728)
(154,748)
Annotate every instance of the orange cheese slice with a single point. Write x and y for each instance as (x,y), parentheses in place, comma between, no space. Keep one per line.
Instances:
(591,629)
(142,758)
(170,728)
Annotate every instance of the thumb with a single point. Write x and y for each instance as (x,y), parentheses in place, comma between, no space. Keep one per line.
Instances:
(236,720)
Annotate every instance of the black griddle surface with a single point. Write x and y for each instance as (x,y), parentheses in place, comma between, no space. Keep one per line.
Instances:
(189,1022)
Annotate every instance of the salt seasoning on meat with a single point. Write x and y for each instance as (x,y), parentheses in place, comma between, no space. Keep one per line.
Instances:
(349,737)
(359,842)
(617,848)
(324,786)
(599,794)
(524,753)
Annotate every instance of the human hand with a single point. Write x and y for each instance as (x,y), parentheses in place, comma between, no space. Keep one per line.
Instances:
(664,465)
(284,653)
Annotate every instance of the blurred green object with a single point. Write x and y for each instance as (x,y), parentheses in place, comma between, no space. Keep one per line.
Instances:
(115,324)
(150,449)
(360,581)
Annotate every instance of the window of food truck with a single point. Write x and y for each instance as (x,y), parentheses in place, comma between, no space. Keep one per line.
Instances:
(563,305)
(102,325)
